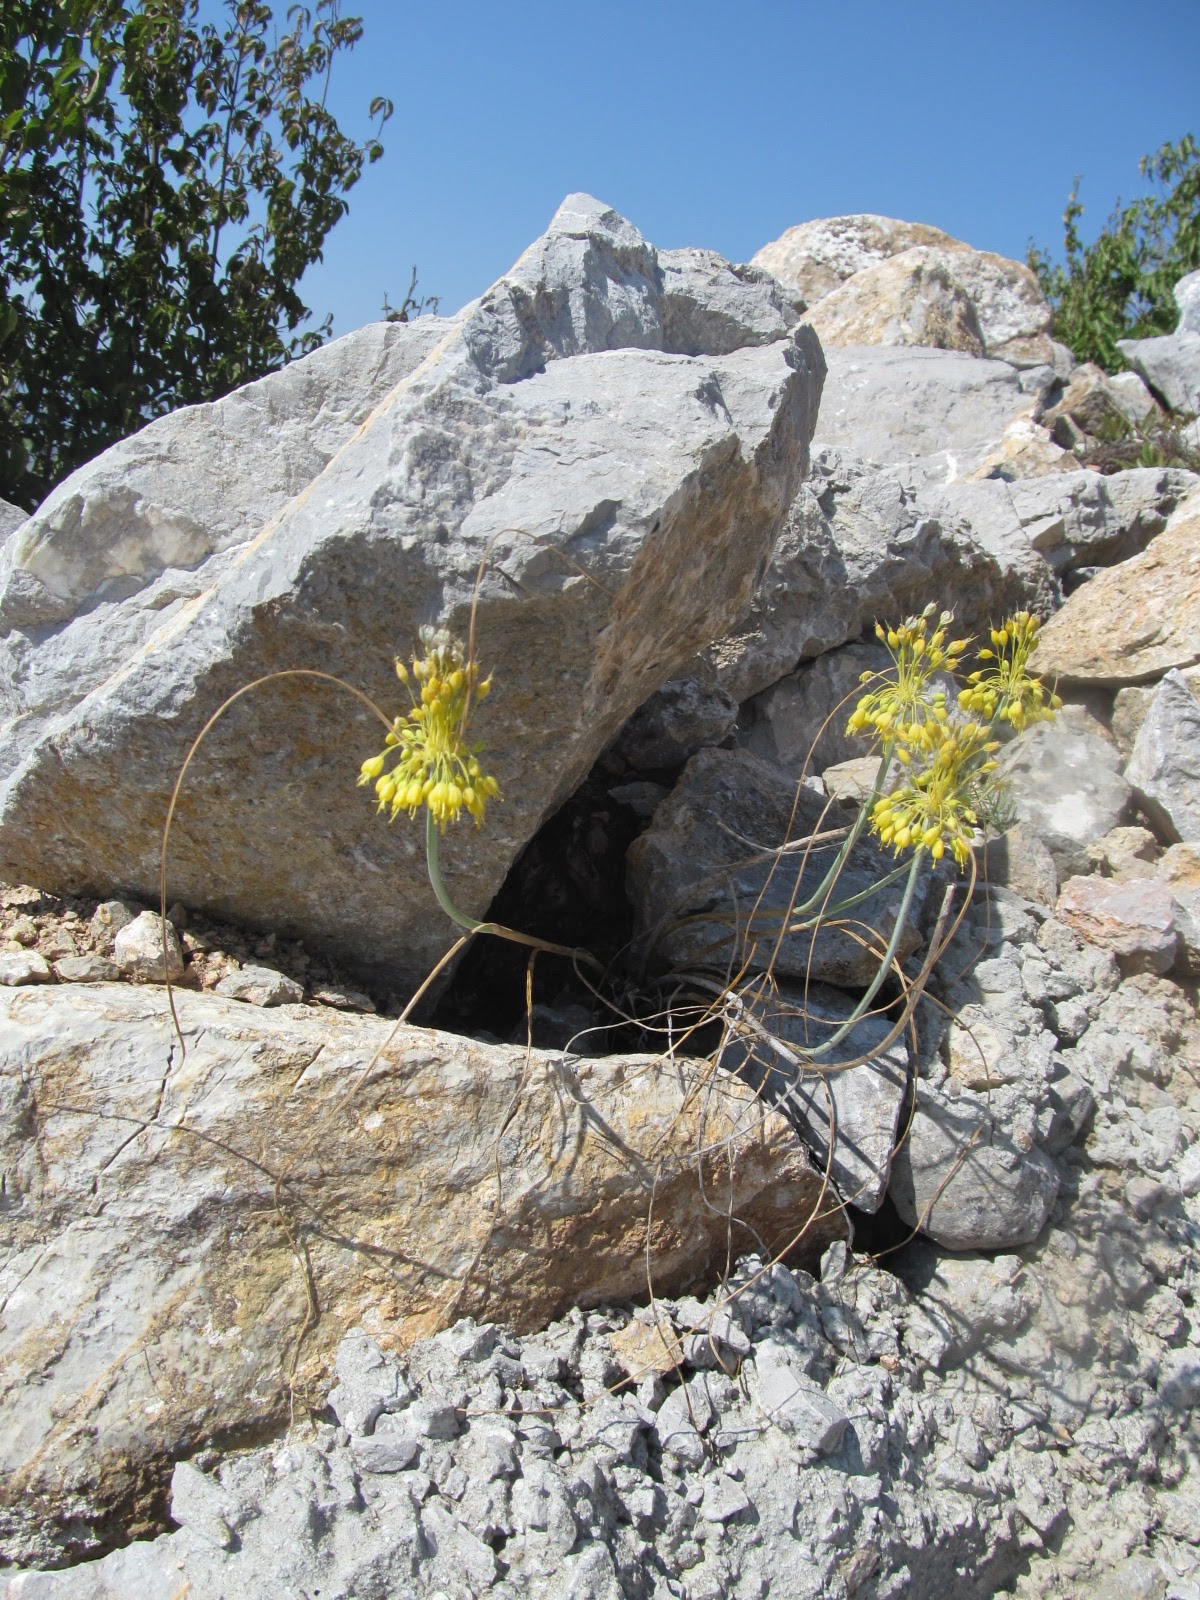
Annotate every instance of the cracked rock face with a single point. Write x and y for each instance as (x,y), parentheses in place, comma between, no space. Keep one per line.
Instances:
(271,531)
(186,1230)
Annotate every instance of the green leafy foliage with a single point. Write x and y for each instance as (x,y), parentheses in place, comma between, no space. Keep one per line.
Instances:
(164,184)
(1119,287)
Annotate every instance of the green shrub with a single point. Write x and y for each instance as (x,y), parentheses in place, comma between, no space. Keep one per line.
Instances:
(1120,286)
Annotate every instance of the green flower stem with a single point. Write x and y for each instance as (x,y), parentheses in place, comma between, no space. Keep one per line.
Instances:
(437,883)
(889,956)
(850,840)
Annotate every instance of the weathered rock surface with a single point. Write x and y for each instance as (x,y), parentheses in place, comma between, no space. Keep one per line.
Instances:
(174,1222)
(960,1178)
(1132,917)
(1135,621)
(860,544)
(1170,364)
(909,299)
(1067,787)
(1131,704)
(11,518)
(941,409)
(713,886)
(531,429)
(1164,766)
(815,258)
(802,718)
(836,1099)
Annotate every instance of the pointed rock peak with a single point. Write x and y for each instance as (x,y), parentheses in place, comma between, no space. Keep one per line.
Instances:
(582,215)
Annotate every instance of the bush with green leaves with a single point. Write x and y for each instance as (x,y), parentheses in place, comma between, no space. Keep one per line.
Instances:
(164,184)
(1119,287)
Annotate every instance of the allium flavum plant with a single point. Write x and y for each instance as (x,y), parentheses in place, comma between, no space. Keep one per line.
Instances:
(437,767)
(948,750)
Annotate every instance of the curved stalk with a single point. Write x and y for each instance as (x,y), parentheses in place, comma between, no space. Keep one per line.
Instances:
(437,882)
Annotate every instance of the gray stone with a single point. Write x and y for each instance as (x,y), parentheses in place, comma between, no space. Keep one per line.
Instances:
(1164,767)
(794,1402)
(1187,298)
(861,545)
(109,917)
(21,967)
(198,1503)
(858,1105)
(964,1183)
(940,411)
(261,986)
(1131,704)
(1067,788)
(1179,871)
(1170,364)
(530,429)
(11,518)
(1085,519)
(1019,860)
(385,1452)
(153,1200)
(713,307)
(677,720)
(149,949)
(710,890)
(800,722)
(1135,400)
(86,969)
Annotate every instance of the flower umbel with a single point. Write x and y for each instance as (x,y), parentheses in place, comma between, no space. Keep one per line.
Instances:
(903,710)
(933,808)
(437,767)
(1007,692)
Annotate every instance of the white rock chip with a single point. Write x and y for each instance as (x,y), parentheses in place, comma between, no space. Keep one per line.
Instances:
(149,949)
(261,986)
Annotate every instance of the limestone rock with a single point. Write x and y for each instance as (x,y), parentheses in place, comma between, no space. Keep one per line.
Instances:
(909,299)
(1137,620)
(1179,872)
(1132,917)
(155,1200)
(20,967)
(1019,860)
(1187,298)
(148,948)
(1090,402)
(1164,766)
(942,409)
(802,718)
(260,986)
(815,258)
(1170,364)
(858,1104)
(530,428)
(862,544)
(966,1184)
(1066,787)
(11,518)
(676,721)
(1138,405)
(708,889)
(1131,704)
(86,969)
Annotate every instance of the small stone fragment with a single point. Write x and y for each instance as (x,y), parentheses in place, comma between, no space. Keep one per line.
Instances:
(138,949)
(109,917)
(329,994)
(260,986)
(22,967)
(86,969)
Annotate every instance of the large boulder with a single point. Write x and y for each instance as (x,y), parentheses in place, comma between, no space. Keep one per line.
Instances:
(230,541)
(717,878)
(946,411)
(1066,787)
(912,298)
(862,544)
(815,259)
(189,1236)
(1135,621)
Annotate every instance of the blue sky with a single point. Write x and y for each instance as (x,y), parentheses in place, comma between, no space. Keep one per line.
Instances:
(721,125)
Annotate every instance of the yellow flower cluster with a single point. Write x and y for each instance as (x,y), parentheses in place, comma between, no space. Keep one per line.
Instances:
(1006,691)
(949,759)
(904,710)
(932,809)
(437,767)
